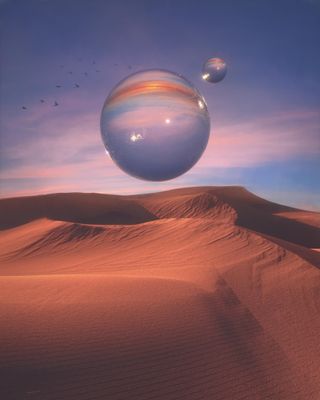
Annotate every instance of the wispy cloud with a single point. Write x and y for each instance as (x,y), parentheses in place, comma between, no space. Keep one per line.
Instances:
(60,153)
(278,137)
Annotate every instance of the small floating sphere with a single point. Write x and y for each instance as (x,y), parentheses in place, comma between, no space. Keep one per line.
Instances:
(155,125)
(214,70)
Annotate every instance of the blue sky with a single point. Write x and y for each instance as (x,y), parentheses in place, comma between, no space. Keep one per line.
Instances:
(265,114)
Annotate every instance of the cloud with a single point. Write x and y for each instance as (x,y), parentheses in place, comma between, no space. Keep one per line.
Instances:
(65,152)
(278,137)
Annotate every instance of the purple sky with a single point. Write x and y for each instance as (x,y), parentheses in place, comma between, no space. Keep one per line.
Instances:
(265,114)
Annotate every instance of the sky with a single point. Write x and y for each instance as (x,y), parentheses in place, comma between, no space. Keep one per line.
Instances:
(264,115)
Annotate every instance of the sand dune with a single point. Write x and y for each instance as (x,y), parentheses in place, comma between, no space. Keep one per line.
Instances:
(196,293)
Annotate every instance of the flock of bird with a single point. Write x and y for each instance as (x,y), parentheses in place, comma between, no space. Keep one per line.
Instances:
(76,85)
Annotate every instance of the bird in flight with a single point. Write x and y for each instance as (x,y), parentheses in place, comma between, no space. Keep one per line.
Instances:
(24,108)
(56,104)
(58,86)
(42,101)
(70,72)
(76,85)
(86,73)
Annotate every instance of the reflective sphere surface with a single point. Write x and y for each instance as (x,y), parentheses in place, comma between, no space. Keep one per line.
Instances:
(155,125)
(214,70)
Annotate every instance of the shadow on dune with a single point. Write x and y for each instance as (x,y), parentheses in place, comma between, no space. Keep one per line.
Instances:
(229,204)
(73,233)
(259,215)
(279,227)
(309,255)
(252,211)
(83,208)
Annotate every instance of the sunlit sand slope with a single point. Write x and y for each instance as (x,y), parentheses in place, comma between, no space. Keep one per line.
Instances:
(196,293)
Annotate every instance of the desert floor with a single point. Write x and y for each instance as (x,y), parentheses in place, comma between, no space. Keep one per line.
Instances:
(196,293)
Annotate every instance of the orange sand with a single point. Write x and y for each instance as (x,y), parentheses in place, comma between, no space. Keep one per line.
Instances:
(197,293)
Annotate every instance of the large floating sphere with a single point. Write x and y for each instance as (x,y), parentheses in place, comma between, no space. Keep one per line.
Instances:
(214,70)
(155,125)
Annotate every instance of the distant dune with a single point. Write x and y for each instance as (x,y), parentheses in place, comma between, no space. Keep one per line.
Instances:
(205,293)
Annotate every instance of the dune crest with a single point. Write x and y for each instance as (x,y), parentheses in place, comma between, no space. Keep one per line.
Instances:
(194,293)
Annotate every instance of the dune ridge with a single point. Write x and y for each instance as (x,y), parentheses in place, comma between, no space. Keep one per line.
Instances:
(194,293)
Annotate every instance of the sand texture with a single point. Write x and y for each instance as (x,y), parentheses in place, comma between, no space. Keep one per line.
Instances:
(205,293)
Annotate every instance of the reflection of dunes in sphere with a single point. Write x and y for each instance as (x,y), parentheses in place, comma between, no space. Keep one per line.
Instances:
(214,70)
(155,125)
